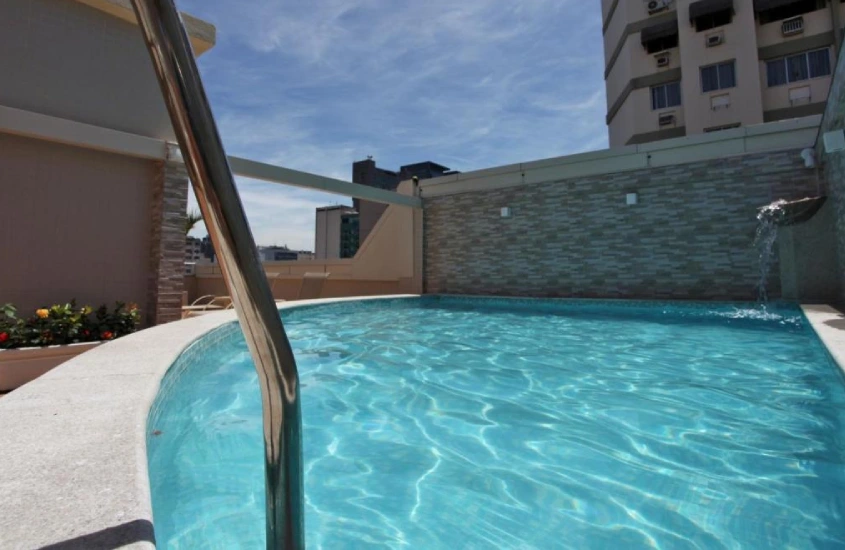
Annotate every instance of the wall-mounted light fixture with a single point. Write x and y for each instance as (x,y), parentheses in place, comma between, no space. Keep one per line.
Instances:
(809,156)
(506,212)
(834,141)
(631,199)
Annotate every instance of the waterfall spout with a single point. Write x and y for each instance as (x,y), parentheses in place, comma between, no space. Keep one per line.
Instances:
(769,218)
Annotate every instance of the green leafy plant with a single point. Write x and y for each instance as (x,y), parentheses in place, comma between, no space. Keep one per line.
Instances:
(66,324)
(191,220)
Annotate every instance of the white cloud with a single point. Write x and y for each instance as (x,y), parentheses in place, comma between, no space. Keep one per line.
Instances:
(316,85)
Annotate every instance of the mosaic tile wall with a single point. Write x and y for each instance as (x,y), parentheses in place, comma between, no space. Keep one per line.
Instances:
(833,164)
(689,237)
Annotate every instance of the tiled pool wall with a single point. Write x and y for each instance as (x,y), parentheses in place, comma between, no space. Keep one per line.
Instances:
(689,236)
(220,336)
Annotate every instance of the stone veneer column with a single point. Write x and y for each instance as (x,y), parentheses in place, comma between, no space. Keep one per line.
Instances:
(167,242)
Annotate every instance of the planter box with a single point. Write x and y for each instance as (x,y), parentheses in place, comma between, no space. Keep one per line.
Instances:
(19,366)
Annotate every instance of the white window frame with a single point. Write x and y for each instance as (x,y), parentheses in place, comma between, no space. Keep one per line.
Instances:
(665,95)
(719,86)
(806,56)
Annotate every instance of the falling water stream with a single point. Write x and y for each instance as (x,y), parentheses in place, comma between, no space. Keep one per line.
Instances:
(768,219)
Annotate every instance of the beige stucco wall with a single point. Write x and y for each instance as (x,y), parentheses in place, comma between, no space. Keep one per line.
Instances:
(740,45)
(605,7)
(626,12)
(636,117)
(777,97)
(815,22)
(622,126)
(74,223)
(67,59)
(369,213)
(327,234)
(388,251)
(634,61)
(387,262)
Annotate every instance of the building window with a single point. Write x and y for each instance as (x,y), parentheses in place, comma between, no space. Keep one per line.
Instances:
(713,20)
(718,77)
(662,44)
(660,37)
(791,9)
(666,95)
(796,68)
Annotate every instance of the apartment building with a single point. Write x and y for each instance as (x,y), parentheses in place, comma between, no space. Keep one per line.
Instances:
(336,232)
(680,67)
(193,249)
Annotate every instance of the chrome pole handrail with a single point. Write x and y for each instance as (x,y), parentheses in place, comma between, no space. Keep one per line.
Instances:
(214,186)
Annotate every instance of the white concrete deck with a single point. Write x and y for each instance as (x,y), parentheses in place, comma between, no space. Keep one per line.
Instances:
(73,455)
(829,324)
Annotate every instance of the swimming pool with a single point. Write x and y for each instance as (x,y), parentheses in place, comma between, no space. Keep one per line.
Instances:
(490,423)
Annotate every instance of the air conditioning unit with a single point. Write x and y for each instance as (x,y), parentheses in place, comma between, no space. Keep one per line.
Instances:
(721,101)
(666,120)
(662,59)
(800,95)
(714,40)
(654,6)
(792,26)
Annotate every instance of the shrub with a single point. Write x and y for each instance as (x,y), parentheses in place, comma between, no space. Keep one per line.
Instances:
(66,324)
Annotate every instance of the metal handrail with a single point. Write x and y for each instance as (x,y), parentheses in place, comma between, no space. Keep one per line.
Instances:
(223,213)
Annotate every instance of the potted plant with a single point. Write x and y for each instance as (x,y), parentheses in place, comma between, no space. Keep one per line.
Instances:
(31,346)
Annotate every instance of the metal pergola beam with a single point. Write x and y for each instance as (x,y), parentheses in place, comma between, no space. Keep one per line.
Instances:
(279,174)
(78,134)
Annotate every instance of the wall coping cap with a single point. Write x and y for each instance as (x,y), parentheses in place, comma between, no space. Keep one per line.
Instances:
(758,138)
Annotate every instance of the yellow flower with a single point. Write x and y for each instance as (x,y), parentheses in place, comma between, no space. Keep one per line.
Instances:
(42,313)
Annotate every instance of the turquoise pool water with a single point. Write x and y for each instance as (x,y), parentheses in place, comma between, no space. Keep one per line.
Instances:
(454,423)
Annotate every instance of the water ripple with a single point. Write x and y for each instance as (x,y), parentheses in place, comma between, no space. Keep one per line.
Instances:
(453,425)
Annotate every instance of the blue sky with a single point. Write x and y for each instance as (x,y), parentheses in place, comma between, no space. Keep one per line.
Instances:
(472,84)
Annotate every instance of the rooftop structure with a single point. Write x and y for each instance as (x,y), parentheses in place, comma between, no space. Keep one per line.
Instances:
(367,173)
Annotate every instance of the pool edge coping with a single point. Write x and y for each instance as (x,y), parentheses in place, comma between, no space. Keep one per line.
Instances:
(66,472)
(828,323)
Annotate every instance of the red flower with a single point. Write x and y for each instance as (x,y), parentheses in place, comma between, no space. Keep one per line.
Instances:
(3,337)
(86,332)
(108,335)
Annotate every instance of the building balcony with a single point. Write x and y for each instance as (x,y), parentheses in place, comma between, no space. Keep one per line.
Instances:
(794,28)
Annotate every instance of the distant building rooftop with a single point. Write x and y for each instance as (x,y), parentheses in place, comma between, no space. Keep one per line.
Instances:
(429,164)
(335,207)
